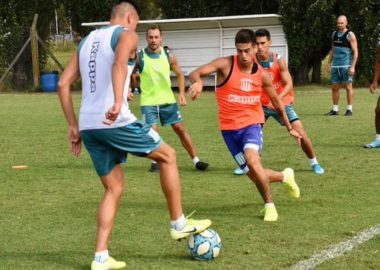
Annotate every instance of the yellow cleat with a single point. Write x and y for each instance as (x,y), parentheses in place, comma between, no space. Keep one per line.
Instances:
(192,227)
(109,264)
(290,183)
(270,213)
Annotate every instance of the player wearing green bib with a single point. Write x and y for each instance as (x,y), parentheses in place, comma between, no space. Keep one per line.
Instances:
(155,64)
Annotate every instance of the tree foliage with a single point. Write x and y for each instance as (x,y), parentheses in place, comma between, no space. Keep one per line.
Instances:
(201,8)
(16,18)
(100,10)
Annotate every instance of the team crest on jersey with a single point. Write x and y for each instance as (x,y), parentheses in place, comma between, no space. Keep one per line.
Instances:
(271,75)
(246,85)
(156,67)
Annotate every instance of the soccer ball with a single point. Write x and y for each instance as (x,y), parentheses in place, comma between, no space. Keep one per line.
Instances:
(205,246)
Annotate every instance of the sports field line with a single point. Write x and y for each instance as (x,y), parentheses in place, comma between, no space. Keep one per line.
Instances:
(338,249)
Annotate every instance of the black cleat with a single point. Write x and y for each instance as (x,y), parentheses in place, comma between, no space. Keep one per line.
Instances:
(154,167)
(348,113)
(332,113)
(201,166)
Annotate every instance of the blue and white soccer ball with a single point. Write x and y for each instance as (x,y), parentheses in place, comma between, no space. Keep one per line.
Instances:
(205,246)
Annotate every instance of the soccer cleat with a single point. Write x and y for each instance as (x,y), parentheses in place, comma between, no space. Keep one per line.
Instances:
(290,183)
(318,169)
(154,167)
(192,226)
(109,264)
(201,166)
(374,144)
(332,113)
(270,213)
(238,171)
(348,113)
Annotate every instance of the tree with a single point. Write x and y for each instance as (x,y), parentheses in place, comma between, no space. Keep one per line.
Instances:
(15,20)
(364,20)
(100,10)
(201,8)
(309,24)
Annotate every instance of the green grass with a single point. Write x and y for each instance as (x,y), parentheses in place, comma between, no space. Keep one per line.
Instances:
(47,212)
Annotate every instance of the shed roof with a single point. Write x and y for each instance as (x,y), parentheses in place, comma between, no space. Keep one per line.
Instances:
(205,22)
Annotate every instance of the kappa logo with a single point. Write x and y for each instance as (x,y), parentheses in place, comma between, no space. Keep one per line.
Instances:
(92,65)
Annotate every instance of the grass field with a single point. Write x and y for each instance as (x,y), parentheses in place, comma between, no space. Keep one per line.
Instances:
(47,213)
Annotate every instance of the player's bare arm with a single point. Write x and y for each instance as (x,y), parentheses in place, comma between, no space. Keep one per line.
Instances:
(376,75)
(68,77)
(328,66)
(279,106)
(354,47)
(180,79)
(220,65)
(286,78)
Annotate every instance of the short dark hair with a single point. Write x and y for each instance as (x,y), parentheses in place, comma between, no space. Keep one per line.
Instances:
(132,2)
(245,36)
(262,33)
(154,27)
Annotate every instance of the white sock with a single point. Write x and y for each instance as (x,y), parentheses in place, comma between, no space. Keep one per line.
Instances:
(336,108)
(349,107)
(196,160)
(378,137)
(313,161)
(269,204)
(101,256)
(179,223)
(153,162)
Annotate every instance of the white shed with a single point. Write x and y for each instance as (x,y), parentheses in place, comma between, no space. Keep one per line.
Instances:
(197,41)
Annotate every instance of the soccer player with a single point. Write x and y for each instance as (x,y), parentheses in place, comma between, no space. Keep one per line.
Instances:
(239,86)
(341,64)
(109,130)
(372,88)
(157,99)
(274,65)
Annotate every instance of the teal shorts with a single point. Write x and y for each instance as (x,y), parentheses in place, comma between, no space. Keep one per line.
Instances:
(339,75)
(290,112)
(168,114)
(110,146)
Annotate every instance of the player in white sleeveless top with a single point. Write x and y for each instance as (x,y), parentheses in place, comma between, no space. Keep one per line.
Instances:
(109,130)
(96,57)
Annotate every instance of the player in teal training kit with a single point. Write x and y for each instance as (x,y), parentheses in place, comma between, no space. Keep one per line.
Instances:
(157,99)
(109,130)
(342,62)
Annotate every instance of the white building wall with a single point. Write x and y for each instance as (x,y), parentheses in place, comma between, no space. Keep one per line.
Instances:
(197,43)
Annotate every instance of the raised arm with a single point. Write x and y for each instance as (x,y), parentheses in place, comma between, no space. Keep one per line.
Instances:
(220,65)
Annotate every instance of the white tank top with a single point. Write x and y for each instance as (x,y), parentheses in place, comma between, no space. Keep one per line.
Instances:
(96,58)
